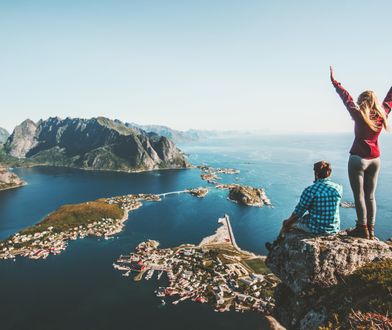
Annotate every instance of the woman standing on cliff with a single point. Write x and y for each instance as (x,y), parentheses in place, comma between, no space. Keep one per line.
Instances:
(370,117)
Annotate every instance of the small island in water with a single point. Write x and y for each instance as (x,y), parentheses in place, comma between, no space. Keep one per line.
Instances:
(104,217)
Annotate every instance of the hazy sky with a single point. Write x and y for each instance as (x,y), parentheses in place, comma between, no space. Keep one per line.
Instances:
(192,64)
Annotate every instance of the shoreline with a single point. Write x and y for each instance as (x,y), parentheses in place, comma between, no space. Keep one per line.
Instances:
(14,187)
(96,224)
(216,271)
(102,169)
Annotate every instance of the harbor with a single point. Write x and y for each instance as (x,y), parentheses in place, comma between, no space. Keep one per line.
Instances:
(216,271)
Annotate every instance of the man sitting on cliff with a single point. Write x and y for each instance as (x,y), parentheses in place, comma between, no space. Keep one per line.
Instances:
(321,201)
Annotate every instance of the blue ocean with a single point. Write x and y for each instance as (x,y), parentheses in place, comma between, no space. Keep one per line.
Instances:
(79,289)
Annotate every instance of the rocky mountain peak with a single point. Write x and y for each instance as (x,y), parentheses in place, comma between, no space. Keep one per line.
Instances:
(22,139)
(98,143)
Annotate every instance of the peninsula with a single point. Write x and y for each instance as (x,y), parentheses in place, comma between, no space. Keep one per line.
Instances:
(216,271)
(104,217)
(101,218)
(9,180)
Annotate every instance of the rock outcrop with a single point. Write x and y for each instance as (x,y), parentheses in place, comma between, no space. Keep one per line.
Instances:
(305,261)
(246,195)
(3,135)
(331,281)
(22,139)
(9,180)
(97,143)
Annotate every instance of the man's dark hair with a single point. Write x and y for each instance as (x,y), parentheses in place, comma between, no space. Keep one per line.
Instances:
(322,169)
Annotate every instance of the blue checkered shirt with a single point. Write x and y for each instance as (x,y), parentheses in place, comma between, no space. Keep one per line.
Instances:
(322,201)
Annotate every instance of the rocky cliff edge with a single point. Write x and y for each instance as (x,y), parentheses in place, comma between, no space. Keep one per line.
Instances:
(331,282)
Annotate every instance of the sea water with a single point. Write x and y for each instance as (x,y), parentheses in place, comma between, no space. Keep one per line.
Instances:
(79,289)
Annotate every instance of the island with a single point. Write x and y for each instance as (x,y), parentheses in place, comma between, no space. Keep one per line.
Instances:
(210,177)
(246,195)
(198,192)
(104,217)
(216,271)
(210,169)
(242,194)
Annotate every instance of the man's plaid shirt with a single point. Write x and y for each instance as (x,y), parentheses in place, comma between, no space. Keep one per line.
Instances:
(322,201)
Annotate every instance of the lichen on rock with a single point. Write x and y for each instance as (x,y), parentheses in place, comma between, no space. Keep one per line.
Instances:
(302,261)
(332,282)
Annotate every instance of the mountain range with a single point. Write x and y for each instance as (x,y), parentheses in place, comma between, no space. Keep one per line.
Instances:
(176,136)
(96,143)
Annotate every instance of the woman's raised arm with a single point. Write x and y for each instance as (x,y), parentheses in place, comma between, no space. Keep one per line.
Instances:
(388,101)
(344,95)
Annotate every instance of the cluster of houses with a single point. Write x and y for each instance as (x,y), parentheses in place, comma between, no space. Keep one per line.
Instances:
(41,244)
(210,169)
(203,275)
(210,174)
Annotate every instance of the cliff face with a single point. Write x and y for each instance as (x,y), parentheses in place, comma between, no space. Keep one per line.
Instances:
(302,261)
(331,280)
(97,143)
(22,139)
(3,135)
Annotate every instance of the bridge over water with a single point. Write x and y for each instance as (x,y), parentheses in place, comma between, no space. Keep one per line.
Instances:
(173,193)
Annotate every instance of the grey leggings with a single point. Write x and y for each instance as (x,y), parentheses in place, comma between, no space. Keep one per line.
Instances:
(363,174)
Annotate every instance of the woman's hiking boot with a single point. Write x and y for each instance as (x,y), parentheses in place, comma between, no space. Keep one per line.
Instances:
(371,231)
(361,231)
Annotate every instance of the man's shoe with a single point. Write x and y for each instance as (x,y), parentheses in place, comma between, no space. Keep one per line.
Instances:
(371,231)
(359,231)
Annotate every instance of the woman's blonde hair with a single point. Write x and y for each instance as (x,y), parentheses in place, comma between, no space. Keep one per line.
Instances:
(371,110)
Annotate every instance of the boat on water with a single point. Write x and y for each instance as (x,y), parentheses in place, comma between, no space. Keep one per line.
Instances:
(149,274)
(127,273)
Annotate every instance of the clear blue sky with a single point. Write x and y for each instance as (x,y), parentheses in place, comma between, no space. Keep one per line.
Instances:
(192,64)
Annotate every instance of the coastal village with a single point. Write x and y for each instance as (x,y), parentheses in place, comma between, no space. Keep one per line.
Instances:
(38,242)
(105,218)
(216,271)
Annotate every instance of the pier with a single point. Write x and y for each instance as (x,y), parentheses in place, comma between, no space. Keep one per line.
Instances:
(230,230)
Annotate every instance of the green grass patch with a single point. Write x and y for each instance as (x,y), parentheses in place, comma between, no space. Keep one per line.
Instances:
(69,216)
(257,265)
(368,290)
